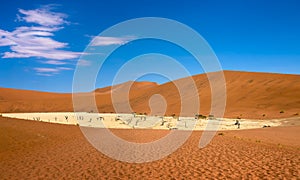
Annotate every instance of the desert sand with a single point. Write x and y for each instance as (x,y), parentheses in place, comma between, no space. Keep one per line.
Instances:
(51,146)
(32,149)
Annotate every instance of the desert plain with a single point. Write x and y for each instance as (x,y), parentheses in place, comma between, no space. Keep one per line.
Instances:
(37,147)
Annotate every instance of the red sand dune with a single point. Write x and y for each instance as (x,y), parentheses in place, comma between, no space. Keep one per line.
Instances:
(38,150)
(249,95)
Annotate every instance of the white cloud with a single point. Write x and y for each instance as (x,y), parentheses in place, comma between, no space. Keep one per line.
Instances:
(4,41)
(39,28)
(106,41)
(42,16)
(37,41)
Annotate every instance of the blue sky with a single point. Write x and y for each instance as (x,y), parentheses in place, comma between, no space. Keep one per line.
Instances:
(41,42)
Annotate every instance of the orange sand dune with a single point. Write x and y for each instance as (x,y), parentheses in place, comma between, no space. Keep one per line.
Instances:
(31,149)
(135,86)
(249,95)
(12,100)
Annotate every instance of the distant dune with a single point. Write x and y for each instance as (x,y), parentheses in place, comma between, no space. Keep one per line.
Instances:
(249,95)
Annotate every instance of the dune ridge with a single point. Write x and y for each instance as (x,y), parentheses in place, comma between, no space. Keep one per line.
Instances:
(249,95)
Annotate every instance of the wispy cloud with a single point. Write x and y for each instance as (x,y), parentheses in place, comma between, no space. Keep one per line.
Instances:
(64,68)
(50,71)
(54,62)
(37,41)
(47,70)
(83,62)
(106,41)
(44,74)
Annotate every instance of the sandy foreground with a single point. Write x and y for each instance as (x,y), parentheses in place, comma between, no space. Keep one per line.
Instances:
(132,121)
(33,149)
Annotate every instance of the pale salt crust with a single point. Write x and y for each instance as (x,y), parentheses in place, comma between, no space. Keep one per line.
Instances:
(132,121)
